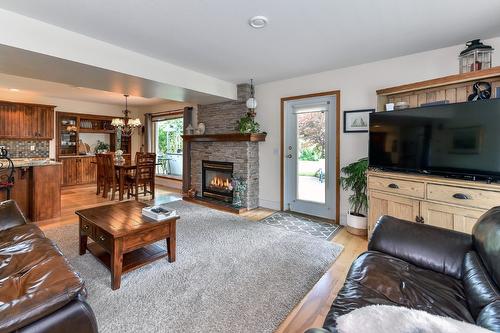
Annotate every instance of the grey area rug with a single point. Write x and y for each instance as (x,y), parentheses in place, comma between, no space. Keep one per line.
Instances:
(302,224)
(230,275)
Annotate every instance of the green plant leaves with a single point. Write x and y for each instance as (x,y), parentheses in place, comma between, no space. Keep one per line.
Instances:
(355,180)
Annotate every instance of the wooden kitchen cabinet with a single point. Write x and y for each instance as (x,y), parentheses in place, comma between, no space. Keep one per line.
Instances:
(78,170)
(46,202)
(37,191)
(21,192)
(87,170)
(69,172)
(26,121)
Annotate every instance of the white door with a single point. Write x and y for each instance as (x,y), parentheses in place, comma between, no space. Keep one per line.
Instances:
(310,156)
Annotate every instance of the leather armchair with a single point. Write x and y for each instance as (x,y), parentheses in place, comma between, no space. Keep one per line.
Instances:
(423,267)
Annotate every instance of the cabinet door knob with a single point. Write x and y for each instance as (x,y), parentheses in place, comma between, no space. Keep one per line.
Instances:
(102,238)
(461,196)
(392,185)
(85,227)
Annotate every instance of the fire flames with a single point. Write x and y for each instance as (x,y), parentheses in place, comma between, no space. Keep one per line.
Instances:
(221,183)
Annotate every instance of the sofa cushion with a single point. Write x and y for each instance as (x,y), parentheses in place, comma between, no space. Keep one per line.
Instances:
(377,278)
(20,233)
(10,215)
(35,278)
(479,288)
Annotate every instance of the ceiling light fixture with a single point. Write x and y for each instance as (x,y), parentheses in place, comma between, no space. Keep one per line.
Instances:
(126,125)
(13,89)
(258,22)
(251,101)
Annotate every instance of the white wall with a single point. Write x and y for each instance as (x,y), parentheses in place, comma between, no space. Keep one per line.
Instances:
(357,87)
(74,106)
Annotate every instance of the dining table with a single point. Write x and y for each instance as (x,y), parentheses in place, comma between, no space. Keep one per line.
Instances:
(123,168)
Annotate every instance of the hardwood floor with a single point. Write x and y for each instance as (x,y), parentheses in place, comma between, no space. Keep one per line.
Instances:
(310,312)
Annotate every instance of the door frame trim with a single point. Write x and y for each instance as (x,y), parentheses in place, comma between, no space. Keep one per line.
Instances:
(335,93)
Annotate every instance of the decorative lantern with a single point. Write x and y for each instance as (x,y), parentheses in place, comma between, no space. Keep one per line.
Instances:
(475,57)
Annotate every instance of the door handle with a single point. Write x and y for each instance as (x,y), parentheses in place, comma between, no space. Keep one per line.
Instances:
(393,185)
(289,156)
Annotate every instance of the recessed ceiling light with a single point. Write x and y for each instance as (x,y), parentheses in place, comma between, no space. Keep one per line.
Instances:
(13,89)
(258,22)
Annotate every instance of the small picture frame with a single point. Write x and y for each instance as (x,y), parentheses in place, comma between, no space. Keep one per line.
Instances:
(357,121)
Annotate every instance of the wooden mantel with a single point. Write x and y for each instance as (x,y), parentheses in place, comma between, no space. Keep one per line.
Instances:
(252,137)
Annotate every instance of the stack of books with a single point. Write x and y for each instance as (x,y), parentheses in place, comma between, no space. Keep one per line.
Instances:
(158,213)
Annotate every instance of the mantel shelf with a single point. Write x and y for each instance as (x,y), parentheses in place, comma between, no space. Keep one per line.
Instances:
(442,81)
(252,137)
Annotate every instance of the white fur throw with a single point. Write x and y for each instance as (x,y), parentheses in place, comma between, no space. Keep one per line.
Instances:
(395,319)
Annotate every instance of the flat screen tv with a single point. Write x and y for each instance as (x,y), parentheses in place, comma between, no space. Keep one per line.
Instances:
(461,140)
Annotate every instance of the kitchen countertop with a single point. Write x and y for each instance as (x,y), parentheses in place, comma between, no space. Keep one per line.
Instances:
(75,156)
(33,162)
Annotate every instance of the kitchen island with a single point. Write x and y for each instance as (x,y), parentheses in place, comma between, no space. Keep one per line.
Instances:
(37,188)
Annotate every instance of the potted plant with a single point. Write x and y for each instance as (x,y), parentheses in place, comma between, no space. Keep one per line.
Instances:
(354,179)
(247,124)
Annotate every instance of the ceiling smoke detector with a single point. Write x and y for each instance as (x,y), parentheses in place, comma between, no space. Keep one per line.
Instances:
(258,22)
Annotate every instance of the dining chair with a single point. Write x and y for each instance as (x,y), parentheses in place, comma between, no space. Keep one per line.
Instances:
(110,178)
(143,175)
(101,177)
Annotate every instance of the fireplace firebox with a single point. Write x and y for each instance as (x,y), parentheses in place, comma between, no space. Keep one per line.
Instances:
(216,180)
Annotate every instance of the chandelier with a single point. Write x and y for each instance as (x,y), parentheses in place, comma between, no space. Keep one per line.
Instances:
(126,125)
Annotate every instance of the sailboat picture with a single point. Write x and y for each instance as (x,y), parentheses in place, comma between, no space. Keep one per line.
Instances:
(357,121)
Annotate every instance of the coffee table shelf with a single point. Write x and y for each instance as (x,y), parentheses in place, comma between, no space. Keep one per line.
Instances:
(131,260)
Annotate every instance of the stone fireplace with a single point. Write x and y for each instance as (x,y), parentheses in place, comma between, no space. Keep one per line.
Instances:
(222,151)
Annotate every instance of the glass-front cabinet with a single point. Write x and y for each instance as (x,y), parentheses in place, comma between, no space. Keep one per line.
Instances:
(68,134)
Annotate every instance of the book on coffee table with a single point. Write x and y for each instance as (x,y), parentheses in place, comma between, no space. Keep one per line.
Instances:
(158,213)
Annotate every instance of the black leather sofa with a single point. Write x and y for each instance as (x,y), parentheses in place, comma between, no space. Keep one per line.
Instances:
(39,291)
(423,267)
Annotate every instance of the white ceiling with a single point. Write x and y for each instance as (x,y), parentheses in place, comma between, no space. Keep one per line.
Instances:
(29,88)
(303,36)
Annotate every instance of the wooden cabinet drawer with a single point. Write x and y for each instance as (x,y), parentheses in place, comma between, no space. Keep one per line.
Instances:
(104,239)
(397,186)
(87,229)
(463,196)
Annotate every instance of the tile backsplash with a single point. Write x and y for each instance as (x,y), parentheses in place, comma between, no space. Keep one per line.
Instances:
(22,148)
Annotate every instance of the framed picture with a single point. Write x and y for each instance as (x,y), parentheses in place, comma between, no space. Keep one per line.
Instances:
(357,121)
(466,140)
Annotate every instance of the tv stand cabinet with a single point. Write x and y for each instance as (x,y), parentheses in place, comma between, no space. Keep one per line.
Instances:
(444,202)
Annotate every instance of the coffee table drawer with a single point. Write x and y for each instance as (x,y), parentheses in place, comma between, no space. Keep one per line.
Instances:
(397,186)
(463,196)
(104,239)
(87,229)
(147,237)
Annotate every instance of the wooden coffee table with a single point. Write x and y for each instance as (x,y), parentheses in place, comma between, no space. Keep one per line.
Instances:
(123,238)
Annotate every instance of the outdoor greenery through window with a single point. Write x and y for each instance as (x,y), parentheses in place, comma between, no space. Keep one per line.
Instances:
(169,147)
(311,132)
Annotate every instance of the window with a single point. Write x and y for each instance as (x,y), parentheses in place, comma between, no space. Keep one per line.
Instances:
(169,147)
